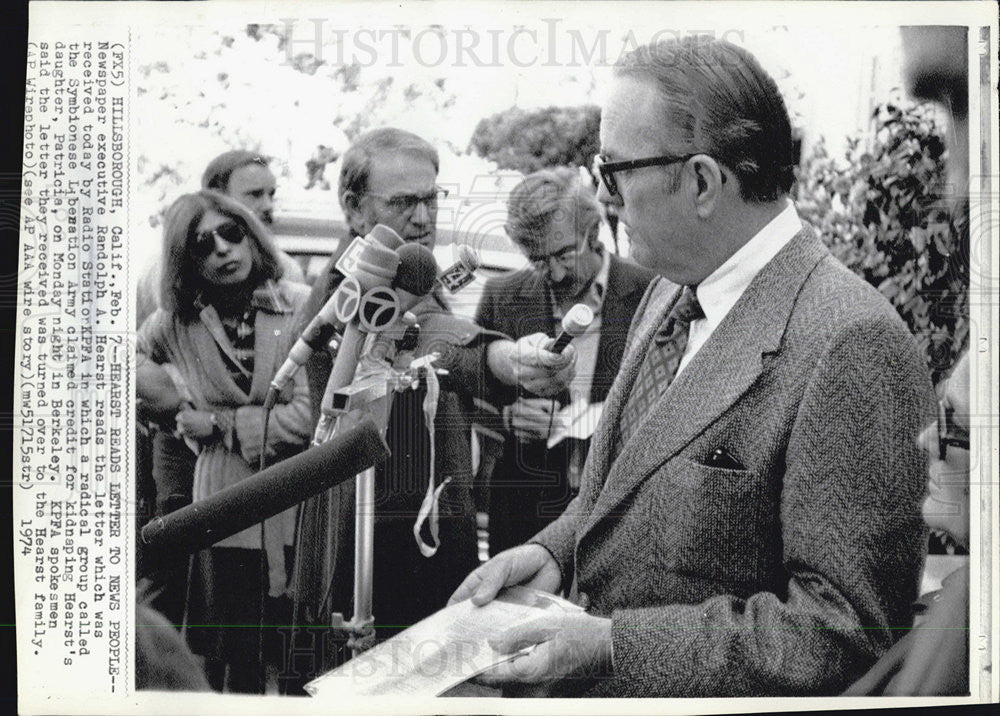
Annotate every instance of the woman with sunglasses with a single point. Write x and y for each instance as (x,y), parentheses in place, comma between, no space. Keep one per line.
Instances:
(225,323)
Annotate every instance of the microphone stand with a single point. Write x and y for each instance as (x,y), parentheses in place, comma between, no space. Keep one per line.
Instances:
(370,394)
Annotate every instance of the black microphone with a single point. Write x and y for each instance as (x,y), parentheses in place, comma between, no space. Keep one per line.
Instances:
(263,495)
(416,275)
(574,324)
(414,280)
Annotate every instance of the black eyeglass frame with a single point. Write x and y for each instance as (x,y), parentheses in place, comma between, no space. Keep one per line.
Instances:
(606,170)
(204,241)
(412,200)
(562,256)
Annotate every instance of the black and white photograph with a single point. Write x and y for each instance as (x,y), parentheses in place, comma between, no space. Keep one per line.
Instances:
(433,357)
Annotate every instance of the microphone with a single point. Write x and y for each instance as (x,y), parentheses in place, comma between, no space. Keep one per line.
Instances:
(368,262)
(380,307)
(263,495)
(415,279)
(416,275)
(574,323)
(462,272)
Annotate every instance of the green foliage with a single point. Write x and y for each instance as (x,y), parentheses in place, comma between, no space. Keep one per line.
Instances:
(886,214)
(529,140)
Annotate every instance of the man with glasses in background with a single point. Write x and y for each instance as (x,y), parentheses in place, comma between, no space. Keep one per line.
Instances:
(389,176)
(553,217)
(748,522)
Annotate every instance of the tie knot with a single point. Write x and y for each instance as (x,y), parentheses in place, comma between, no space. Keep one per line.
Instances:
(687,308)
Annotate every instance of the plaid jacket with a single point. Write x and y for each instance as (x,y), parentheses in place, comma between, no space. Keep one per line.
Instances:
(794,573)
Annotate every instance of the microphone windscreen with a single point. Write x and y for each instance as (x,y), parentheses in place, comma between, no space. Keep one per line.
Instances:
(385,236)
(469,257)
(577,319)
(417,269)
(265,494)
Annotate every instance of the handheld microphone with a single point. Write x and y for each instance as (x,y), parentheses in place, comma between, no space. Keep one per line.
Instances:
(368,262)
(263,495)
(574,323)
(462,272)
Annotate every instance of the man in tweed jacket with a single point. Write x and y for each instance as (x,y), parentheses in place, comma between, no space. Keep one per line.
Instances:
(759,531)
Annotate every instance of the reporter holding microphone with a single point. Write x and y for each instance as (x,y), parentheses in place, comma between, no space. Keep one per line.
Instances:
(553,217)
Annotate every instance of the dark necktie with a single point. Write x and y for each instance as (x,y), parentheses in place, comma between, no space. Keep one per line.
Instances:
(660,365)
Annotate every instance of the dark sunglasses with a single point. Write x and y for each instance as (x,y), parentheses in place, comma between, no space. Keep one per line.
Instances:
(606,170)
(230,232)
(950,434)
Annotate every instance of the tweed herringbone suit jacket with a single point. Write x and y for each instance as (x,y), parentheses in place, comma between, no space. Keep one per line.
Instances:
(791,575)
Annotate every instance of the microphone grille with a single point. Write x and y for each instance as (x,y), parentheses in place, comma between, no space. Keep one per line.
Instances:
(577,319)
(469,257)
(417,269)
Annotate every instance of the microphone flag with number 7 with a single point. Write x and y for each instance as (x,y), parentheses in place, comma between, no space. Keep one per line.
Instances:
(368,262)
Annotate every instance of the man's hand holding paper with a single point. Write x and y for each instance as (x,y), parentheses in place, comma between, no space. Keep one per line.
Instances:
(529,565)
(567,643)
(556,646)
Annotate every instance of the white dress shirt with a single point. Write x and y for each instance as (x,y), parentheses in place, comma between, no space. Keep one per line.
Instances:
(722,288)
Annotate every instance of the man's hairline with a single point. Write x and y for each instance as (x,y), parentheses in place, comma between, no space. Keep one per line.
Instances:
(259,161)
(341,193)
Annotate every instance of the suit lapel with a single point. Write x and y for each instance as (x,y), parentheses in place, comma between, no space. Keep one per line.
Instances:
(615,320)
(273,312)
(722,370)
(213,324)
(662,296)
(267,337)
(534,293)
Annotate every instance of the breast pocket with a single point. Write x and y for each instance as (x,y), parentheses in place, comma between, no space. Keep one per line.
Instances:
(710,522)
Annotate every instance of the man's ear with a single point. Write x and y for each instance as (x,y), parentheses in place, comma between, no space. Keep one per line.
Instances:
(354,213)
(709,182)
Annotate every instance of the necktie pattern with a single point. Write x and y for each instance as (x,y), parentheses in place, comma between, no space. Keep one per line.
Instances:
(660,365)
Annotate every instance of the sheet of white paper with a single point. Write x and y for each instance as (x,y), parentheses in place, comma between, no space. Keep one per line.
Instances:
(576,420)
(442,651)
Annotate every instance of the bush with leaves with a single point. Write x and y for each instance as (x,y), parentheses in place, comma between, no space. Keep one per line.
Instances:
(529,140)
(886,213)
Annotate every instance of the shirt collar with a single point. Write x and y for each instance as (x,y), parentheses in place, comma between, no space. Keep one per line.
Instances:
(720,291)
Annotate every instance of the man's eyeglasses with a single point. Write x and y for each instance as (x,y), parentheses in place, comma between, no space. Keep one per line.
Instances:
(406,203)
(606,170)
(950,433)
(230,232)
